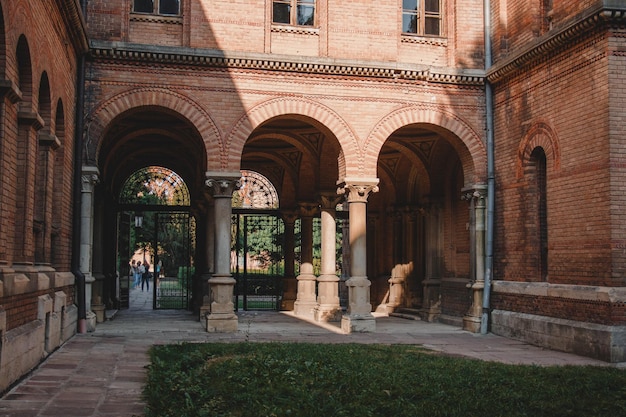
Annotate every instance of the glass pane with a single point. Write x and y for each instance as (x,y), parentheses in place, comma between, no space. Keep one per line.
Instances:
(432,6)
(143,6)
(281,12)
(306,15)
(431,26)
(409,4)
(169,7)
(306,1)
(409,23)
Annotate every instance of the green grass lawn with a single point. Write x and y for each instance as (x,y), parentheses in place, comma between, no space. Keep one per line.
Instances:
(291,379)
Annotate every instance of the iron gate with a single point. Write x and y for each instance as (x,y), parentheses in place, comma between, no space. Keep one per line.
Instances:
(257,260)
(173,269)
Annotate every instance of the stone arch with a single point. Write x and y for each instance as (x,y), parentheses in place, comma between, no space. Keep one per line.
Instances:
(101,117)
(267,110)
(469,145)
(539,135)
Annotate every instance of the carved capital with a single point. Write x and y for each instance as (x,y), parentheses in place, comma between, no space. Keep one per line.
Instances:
(90,176)
(308,209)
(289,216)
(329,201)
(478,193)
(223,185)
(357,191)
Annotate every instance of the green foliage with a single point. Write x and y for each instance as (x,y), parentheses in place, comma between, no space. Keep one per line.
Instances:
(276,379)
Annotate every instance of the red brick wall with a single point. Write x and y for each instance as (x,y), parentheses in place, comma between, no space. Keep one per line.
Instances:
(346,30)
(557,92)
(46,42)
(598,312)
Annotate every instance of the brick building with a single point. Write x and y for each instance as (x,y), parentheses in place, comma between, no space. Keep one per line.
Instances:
(457,155)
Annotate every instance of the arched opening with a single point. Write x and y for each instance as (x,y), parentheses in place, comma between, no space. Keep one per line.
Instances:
(299,156)
(420,239)
(142,178)
(157,238)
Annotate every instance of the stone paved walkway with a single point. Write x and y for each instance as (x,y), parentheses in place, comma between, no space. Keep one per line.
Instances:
(102,373)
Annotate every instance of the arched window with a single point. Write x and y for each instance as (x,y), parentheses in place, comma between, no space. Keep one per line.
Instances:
(156,186)
(538,162)
(256,192)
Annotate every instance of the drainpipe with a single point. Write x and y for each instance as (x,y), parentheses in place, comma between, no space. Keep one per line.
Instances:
(484,322)
(78,161)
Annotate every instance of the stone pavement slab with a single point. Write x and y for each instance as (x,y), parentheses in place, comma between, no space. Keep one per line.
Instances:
(101,374)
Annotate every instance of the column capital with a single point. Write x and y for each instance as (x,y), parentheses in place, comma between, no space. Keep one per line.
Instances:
(222,184)
(308,209)
(478,192)
(329,201)
(48,140)
(90,176)
(357,190)
(289,216)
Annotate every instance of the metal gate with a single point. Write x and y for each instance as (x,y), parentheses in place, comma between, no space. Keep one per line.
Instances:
(257,260)
(172,269)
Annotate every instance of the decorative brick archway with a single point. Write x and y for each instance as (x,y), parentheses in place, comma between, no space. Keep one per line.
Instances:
(461,135)
(107,111)
(324,116)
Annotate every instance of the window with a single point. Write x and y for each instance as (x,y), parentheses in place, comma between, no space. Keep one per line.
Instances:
(294,12)
(538,159)
(421,17)
(160,7)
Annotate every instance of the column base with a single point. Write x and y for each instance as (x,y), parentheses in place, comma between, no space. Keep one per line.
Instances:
(358,324)
(304,308)
(327,313)
(91,321)
(471,324)
(218,323)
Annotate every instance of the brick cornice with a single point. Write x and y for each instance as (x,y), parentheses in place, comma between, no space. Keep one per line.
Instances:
(75,23)
(175,56)
(611,13)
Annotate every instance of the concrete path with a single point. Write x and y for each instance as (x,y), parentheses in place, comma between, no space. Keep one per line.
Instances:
(102,373)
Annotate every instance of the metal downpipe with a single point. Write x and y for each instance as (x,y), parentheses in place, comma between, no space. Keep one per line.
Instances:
(76,192)
(484,322)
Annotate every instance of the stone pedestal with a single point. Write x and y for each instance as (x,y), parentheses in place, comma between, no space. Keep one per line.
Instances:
(472,320)
(306,303)
(328,308)
(222,318)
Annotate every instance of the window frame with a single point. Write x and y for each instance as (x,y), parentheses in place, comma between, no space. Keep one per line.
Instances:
(156,9)
(421,16)
(294,6)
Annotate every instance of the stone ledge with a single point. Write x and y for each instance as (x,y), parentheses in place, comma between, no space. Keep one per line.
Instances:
(574,292)
(607,343)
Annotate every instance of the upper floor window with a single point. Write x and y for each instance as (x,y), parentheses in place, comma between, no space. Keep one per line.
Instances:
(159,7)
(294,12)
(421,17)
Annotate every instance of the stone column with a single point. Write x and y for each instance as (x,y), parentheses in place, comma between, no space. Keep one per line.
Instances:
(90,177)
(359,316)
(477,198)
(431,306)
(222,317)
(328,308)
(290,284)
(205,308)
(305,301)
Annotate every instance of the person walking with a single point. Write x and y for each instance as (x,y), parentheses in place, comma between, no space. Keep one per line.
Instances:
(145,276)
(141,269)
